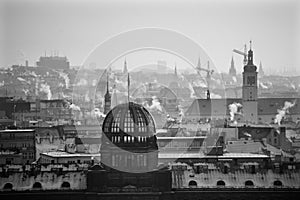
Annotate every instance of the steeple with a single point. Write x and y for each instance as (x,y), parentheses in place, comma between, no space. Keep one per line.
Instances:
(199,63)
(232,70)
(175,70)
(250,55)
(261,72)
(125,70)
(107,97)
(250,67)
(114,97)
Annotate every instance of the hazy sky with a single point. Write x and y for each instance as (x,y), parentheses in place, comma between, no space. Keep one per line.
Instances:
(28,28)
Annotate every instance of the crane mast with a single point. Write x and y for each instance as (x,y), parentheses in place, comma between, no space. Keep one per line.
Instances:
(242,53)
(208,75)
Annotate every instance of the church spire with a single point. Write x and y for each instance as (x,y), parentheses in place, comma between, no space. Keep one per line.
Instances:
(175,70)
(107,97)
(261,72)
(199,63)
(232,70)
(125,70)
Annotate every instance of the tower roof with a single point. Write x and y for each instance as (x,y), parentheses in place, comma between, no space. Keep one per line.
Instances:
(250,67)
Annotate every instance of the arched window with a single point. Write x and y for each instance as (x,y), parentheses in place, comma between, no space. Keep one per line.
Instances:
(37,186)
(65,185)
(277,183)
(221,183)
(193,184)
(249,183)
(8,186)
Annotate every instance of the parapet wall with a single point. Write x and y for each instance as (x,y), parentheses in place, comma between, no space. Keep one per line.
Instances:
(187,178)
(43,178)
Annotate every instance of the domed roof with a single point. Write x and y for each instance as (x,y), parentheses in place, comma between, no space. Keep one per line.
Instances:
(129,118)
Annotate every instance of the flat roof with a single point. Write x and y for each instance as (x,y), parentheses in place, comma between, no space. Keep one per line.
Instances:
(185,138)
(16,130)
(62,154)
(202,155)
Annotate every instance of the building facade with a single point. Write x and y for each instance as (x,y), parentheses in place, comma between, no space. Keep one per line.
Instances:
(17,146)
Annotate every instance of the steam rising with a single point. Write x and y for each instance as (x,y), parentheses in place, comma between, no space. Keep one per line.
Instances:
(155,105)
(74,107)
(282,112)
(193,96)
(98,113)
(234,109)
(46,89)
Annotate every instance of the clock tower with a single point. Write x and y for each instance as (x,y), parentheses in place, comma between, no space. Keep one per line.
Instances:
(250,90)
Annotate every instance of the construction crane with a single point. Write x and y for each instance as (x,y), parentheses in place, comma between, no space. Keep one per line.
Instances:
(243,54)
(208,71)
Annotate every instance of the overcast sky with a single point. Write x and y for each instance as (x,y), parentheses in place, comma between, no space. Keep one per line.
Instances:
(28,28)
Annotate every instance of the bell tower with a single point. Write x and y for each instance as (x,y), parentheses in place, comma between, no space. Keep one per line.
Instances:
(250,89)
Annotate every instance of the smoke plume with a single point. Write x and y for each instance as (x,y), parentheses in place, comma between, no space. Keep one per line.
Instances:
(234,109)
(155,104)
(74,107)
(46,89)
(282,112)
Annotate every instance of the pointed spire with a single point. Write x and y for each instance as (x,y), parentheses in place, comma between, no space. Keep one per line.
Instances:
(175,69)
(208,65)
(107,86)
(199,63)
(107,96)
(128,82)
(261,71)
(125,70)
(232,70)
(114,97)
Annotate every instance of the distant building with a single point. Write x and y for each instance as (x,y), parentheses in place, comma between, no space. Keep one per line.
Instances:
(261,72)
(17,146)
(54,62)
(8,106)
(232,70)
(55,111)
(253,109)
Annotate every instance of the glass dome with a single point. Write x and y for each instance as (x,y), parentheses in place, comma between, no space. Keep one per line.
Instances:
(129,118)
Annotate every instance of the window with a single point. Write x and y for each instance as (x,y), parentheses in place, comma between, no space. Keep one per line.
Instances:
(128,123)
(249,183)
(277,183)
(192,184)
(37,186)
(142,126)
(221,183)
(8,186)
(65,185)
